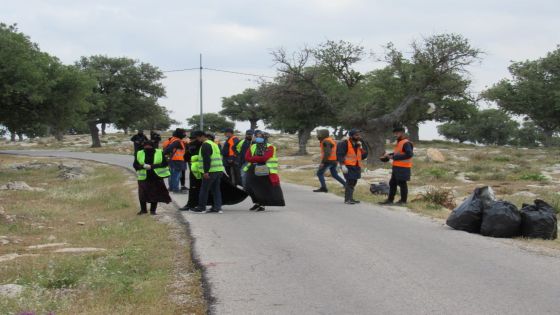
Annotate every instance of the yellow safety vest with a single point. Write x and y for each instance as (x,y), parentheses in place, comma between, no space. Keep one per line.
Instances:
(272,163)
(216,164)
(162,172)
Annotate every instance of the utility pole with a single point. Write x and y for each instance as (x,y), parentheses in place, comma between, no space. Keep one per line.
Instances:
(201,111)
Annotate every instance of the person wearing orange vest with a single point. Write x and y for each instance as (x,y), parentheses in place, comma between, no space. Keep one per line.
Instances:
(402,164)
(175,149)
(328,160)
(230,155)
(350,154)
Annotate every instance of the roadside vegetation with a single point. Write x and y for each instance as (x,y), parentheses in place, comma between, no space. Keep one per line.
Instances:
(77,247)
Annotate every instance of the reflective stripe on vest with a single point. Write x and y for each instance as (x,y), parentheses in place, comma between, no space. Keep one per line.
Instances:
(196,166)
(162,172)
(240,145)
(178,153)
(332,155)
(216,163)
(399,149)
(231,144)
(353,158)
(271,163)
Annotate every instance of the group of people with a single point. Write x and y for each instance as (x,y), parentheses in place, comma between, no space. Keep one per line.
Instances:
(218,174)
(348,156)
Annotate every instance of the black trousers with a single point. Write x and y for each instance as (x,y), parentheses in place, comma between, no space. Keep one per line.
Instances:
(182,180)
(349,189)
(402,184)
(144,207)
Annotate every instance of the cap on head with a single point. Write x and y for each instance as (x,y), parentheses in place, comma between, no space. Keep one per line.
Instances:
(258,132)
(228,130)
(323,133)
(398,129)
(196,133)
(353,132)
(210,136)
(249,132)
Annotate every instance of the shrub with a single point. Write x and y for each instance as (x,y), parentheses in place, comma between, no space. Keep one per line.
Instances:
(438,196)
(435,173)
(537,177)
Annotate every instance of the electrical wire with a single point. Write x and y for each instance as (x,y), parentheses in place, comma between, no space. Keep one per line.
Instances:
(240,73)
(179,70)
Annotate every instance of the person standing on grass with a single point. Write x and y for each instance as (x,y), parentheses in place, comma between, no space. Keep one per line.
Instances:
(263,182)
(350,154)
(195,178)
(212,169)
(151,168)
(137,140)
(328,160)
(175,148)
(402,165)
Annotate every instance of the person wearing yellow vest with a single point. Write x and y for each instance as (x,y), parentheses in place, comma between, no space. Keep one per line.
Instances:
(328,160)
(212,169)
(262,181)
(151,168)
(350,155)
(402,165)
(229,153)
(241,148)
(175,149)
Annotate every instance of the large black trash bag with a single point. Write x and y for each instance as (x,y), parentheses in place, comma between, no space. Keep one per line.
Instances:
(468,215)
(379,189)
(539,221)
(501,219)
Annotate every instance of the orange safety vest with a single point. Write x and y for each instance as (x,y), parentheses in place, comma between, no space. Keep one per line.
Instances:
(353,158)
(178,154)
(399,149)
(332,155)
(231,146)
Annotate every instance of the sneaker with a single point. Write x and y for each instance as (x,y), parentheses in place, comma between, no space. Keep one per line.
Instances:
(198,210)
(153,213)
(214,211)
(386,202)
(349,202)
(356,201)
(322,189)
(401,203)
(254,207)
(183,188)
(185,208)
(261,208)
(142,212)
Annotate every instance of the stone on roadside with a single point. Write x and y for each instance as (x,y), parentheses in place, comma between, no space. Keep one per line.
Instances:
(19,185)
(434,155)
(79,250)
(11,290)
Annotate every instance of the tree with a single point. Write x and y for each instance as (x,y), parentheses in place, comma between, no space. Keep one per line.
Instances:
(432,65)
(244,107)
(158,119)
(532,91)
(212,122)
(126,92)
(455,130)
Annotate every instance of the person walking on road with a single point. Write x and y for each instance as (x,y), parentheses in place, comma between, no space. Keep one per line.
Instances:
(263,182)
(138,140)
(230,156)
(212,169)
(195,166)
(350,154)
(402,165)
(151,168)
(241,149)
(175,148)
(328,160)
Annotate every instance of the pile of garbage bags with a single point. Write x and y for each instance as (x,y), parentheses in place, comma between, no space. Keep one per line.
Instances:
(379,189)
(482,213)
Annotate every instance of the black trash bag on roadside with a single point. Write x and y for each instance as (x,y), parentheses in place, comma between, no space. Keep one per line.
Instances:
(539,221)
(379,189)
(468,215)
(501,219)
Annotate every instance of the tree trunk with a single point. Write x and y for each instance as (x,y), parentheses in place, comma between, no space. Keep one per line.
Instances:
(103,127)
(413,131)
(12,136)
(375,139)
(59,135)
(303,137)
(20,137)
(254,125)
(94,131)
(548,135)
(125,131)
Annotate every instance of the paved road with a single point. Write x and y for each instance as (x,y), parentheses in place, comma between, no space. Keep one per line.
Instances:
(318,256)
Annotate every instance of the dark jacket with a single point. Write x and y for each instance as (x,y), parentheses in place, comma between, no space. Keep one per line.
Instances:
(403,173)
(150,160)
(206,150)
(354,172)
(244,147)
(176,165)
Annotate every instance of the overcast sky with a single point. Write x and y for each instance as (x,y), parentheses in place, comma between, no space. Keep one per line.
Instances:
(239,35)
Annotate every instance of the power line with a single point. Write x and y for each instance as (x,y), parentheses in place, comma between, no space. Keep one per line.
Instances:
(179,70)
(241,73)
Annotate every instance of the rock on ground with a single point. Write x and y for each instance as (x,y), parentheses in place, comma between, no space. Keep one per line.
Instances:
(434,155)
(79,250)
(525,194)
(11,290)
(19,185)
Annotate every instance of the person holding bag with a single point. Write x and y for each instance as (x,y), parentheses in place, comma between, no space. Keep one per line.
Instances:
(263,182)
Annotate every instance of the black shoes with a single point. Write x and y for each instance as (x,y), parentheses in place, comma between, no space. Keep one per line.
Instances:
(350,202)
(356,201)
(254,207)
(153,213)
(186,208)
(386,202)
(322,189)
(401,203)
(142,212)
(260,208)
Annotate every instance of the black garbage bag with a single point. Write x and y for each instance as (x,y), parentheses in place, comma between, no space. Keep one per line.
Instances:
(262,191)
(231,194)
(468,215)
(379,189)
(501,219)
(539,221)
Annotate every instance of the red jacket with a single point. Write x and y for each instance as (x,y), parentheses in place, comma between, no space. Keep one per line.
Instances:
(274,178)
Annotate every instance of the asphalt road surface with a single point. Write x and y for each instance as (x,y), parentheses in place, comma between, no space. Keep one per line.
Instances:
(319,256)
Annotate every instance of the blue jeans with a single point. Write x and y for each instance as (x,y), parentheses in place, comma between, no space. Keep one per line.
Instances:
(321,174)
(243,175)
(211,185)
(174,179)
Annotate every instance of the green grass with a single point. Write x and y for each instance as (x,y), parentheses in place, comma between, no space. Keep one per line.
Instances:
(537,177)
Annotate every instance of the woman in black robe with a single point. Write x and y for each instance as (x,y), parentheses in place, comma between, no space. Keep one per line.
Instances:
(152,189)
